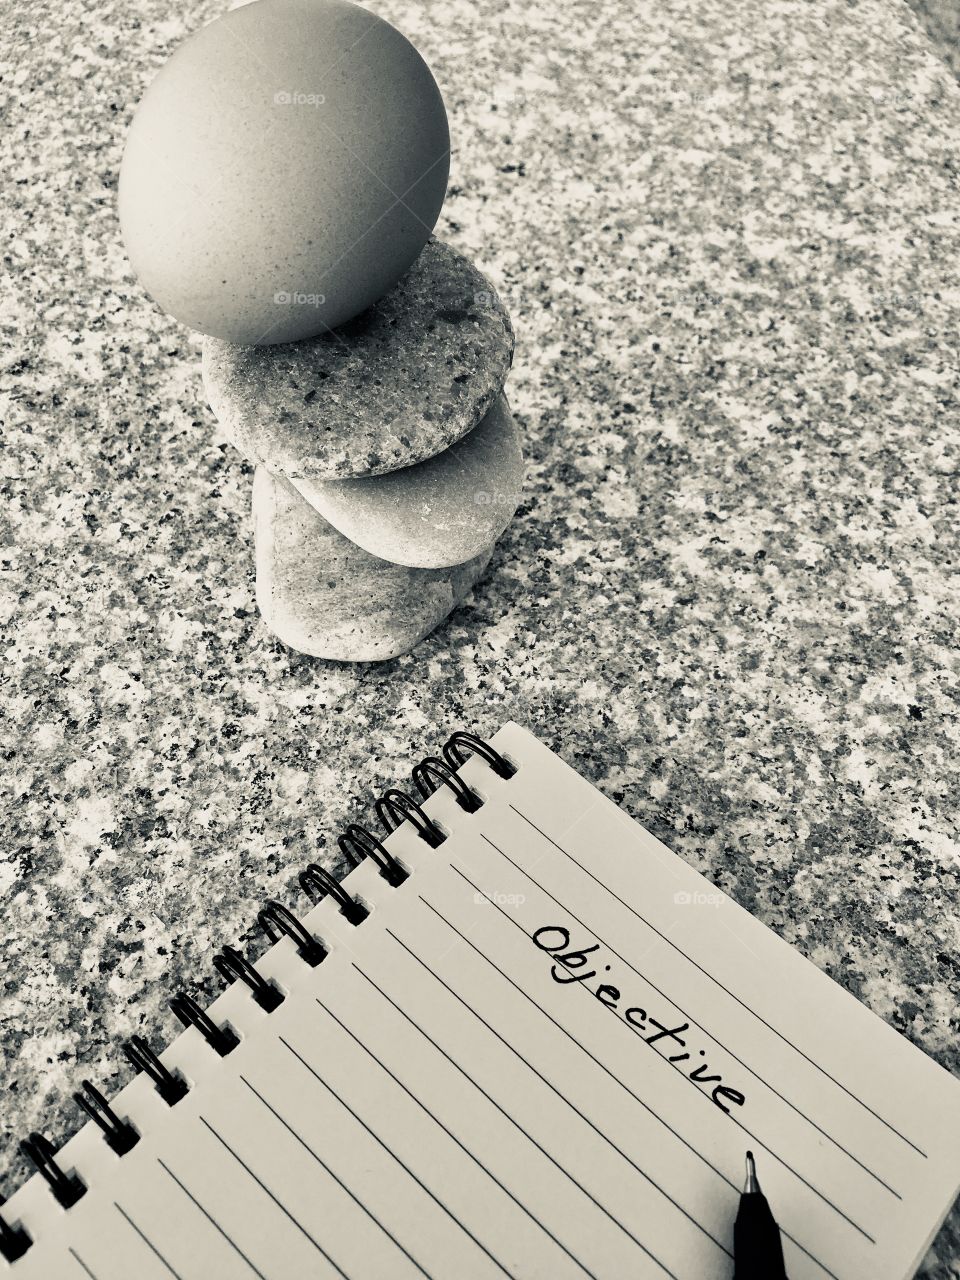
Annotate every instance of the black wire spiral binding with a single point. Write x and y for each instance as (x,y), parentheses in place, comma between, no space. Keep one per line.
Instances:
(170,1087)
(359,838)
(461,744)
(393,808)
(67,1188)
(221,1039)
(230,964)
(119,1135)
(433,772)
(14,1241)
(316,882)
(278,921)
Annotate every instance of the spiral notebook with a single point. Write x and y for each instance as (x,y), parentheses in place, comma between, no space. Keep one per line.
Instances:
(522,1038)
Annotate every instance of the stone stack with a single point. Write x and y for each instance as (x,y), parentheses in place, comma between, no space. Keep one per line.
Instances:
(388,462)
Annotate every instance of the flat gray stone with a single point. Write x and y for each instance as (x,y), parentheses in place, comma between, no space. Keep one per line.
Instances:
(323,595)
(398,384)
(436,513)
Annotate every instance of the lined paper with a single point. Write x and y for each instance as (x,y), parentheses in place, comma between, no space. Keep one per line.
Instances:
(544,1055)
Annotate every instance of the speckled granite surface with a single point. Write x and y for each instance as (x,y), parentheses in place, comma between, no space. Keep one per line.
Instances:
(729,246)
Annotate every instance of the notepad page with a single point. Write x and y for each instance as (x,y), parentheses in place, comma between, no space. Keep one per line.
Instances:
(544,1055)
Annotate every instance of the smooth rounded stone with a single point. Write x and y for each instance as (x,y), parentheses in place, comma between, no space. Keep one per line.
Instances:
(323,595)
(398,384)
(437,513)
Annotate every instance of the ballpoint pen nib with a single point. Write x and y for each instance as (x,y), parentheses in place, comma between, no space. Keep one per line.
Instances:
(751,1186)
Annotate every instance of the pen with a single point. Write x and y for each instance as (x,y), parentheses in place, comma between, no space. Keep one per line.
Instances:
(757,1252)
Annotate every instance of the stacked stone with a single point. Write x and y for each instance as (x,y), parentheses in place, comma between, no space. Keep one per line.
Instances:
(388,462)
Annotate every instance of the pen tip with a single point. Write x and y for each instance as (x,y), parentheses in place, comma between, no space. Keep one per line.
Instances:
(751,1186)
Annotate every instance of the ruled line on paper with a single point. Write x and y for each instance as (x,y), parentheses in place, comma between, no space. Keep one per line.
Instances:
(393,1155)
(556,1163)
(147,1241)
(735,1187)
(643,977)
(739,1123)
(276,1200)
(813,1258)
(339,1181)
(463,1147)
(651,1111)
(717,982)
(211,1219)
(573,1107)
(76,1257)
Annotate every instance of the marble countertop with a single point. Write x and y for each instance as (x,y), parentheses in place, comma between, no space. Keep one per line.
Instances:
(728,238)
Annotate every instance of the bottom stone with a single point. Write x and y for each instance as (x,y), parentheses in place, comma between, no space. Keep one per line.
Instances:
(323,595)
